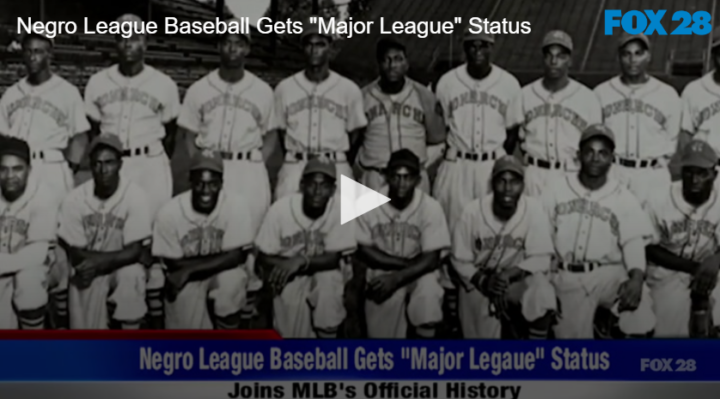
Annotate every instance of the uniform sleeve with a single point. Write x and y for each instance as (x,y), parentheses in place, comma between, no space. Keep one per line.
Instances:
(138,225)
(165,237)
(363,232)
(547,201)
(651,209)
(435,233)
(463,252)
(4,117)
(43,223)
(268,112)
(687,116)
(79,121)
(434,125)
(341,238)
(442,105)
(279,120)
(515,115)
(538,241)
(92,91)
(672,123)
(594,112)
(356,109)
(71,228)
(633,221)
(269,236)
(171,108)
(190,117)
(240,232)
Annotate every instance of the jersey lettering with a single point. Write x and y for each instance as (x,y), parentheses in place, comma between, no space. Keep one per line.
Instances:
(312,241)
(232,100)
(705,228)
(323,103)
(202,241)
(506,241)
(134,95)
(582,206)
(707,113)
(634,106)
(477,98)
(98,226)
(403,110)
(556,111)
(39,104)
(394,231)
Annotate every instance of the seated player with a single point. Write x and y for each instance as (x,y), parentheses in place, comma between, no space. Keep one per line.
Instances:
(28,229)
(683,266)
(502,251)
(600,232)
(103,223)
(203,237)
(399,247)
(301,245)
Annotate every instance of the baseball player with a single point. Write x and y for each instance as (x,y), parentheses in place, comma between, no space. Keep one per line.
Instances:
(550,114)
(474,98)
(644,112)
(600,231)
(317,112)
(103,224)
(139,104)
(48,112)
(700,104)
(28,227)
(686,218)
(399,247)
(401,113)
(301,244)
(203,237)
(502,249)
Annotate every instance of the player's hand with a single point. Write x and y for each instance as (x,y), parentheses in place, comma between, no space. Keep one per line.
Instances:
(146,258)
(497,284)
(86,272)
(706,276)
(381,288)
(630,293)
(283,273)
(174,283)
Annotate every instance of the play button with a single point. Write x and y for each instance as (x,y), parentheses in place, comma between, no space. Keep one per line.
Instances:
(357,200)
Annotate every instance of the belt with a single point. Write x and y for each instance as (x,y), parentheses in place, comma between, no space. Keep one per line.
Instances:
(473,156)
(372,168)
(236,156)
(585,267)
(136,152)
(37,155)
(637,163)
(544,164)
(48,156)
(306,156)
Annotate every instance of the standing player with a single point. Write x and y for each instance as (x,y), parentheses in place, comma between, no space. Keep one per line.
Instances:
(502,249)
(645,114)
(399,246)
(47,111)
(600,232)
(401,113)
(203,237)
(687,227)
(139,104)
(103,224)
(301,244)
(474,99)
(317,113)
(28,229)
(549,115)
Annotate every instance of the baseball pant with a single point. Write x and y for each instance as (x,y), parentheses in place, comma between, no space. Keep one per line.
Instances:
(226,291)
(290,174)
(460,180)
(419,303)
(672,305)
(534,295)
(373,178)
(119,296)
(537,178)
(23,298)
(580,294)
(643,182)
(310,305)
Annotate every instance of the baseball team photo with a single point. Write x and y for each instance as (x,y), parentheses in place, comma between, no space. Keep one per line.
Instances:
(558,182)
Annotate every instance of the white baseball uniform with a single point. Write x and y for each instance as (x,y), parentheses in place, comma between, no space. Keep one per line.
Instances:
(420,228)
(107,225)
(646,123)
(407,119)
(701,110)
(25,222)
(550,127)
(689,232)
(136,109)
(181,232)
(476,114)
(307,303)
(317,119)
(482,241)
(590,231)
(47,117)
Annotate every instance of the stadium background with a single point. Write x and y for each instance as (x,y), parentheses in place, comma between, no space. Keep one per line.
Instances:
(676,59)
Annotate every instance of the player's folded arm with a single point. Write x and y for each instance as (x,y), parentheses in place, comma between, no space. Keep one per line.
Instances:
(375,258)
(206,266)
(420,265)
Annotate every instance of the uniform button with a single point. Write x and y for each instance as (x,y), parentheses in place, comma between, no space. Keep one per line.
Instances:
(580,247)
(551,144)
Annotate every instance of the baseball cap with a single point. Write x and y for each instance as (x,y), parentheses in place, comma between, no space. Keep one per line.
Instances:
(468,35)
(626,38)
(716,37)
(597,130)
(404,158)
(387,43)
(38,35)
(207,160)
(320,165)
(508,163)
(15,146)
(107,140)
(558,37)
(246,35)
(129,18)
(699,154)
(313,28)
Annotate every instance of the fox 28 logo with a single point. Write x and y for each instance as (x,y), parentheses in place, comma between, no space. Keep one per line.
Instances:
(648,22)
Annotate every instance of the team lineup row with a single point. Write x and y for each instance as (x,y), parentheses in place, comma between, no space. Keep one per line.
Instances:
(592,195)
